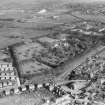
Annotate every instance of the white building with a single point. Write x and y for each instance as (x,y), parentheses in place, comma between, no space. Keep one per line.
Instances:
(17,91)
(9,74)
(39,86)
(31,87)
(24,88)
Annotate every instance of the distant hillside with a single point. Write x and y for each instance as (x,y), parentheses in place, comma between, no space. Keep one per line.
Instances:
(39,4)
(30,4)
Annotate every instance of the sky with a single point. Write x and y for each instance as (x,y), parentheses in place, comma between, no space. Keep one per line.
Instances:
(86,0)
(4,3)
(29,1)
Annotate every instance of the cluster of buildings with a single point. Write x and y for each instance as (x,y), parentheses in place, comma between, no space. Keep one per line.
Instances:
(23,65)
(8,75)
(43,54)
(63,47)
(88,89)
(87,28)
(93,66)
(88,84)
(15,63)
(10,81)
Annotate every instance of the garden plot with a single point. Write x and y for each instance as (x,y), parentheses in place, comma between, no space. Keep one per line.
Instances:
(49,59)
(32,67)
(26,51)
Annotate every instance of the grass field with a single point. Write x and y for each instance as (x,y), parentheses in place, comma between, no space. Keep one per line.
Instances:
(32,98)
(33,67)
(26,51)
